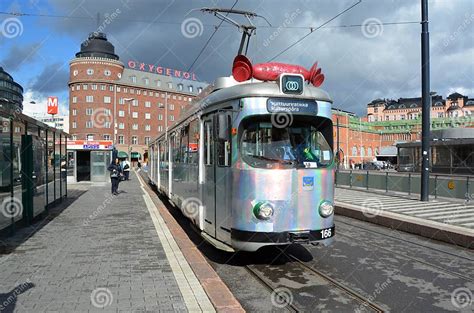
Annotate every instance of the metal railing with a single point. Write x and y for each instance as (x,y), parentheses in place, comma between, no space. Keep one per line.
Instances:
(448,186)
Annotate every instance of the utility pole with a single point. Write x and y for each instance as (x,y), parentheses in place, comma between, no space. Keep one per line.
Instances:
(337,135)
(426,103)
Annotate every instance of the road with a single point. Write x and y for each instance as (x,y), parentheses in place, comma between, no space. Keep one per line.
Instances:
(369,268)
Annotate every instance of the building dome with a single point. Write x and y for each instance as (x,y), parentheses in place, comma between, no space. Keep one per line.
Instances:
(97,46)
(11,93)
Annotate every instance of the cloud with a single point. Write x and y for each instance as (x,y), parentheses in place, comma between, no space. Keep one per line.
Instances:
(52,79)
(20,55)
(358,68)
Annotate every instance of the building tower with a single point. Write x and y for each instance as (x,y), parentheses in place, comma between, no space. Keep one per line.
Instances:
(11,93)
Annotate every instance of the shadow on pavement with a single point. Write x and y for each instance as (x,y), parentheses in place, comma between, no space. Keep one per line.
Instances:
(8,300)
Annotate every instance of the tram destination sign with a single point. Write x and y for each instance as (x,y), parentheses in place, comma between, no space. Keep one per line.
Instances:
(275,105)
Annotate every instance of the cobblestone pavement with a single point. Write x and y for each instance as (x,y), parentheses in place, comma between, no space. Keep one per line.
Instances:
(102,253)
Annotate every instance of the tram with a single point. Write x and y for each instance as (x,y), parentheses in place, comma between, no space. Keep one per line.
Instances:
(251,164)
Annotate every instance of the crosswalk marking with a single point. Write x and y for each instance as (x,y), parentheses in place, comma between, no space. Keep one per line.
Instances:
(442,211)
(436,210)
(425,208)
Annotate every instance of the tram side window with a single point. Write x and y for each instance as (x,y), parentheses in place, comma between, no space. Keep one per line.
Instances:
(208,144)
(193,157)
(223,149)
(183,153)
(175,147)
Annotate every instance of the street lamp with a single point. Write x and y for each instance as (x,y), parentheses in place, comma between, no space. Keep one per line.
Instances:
(166,114)
(128,126)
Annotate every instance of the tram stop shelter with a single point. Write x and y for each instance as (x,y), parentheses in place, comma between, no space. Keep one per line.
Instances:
(32,168)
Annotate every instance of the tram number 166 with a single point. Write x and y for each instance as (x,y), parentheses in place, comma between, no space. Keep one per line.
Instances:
(326,233)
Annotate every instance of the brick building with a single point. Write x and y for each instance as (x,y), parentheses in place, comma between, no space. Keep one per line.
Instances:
(128,104)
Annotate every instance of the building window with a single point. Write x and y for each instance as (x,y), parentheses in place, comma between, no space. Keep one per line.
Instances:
(121,113)
(74,99)
(135,102)
(107,99)
(89,124)
(158,83)
(89,99)
(146,81)
(78,87)
(132,91)
(121,101)
(147,140)
(147,104)
(133,79)
(147,116)
(84,87)
(147,128)
(89,137)
(111,87)
(135,126)
(172,118)
(74,125)
(118,89)
(74,112)
(90,71)
(74,137)
(107,72)
(145,93)
(103,87)
(106,137)
(75,72)
(106,124)
(135,114)
(120,140)
(134,140)
(199,89)
(162,95)
(171,107)
(139,92)
(170,85)
(180,98)
(160,128)
(180,87)
(94,86)
(107,112)
(160,117)
(190,88)
(125,90)
(89,111)
(121,126)
(157,94)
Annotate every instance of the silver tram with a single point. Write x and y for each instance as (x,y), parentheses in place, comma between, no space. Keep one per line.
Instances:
(251,164)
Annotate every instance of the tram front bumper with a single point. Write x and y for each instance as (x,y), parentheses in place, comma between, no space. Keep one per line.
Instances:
(251,241)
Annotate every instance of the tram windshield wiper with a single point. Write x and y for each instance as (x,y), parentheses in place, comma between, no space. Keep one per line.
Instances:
(261,157)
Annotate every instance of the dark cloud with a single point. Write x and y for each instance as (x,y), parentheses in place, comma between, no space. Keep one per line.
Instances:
(360,63)
(52,79)
(20,55)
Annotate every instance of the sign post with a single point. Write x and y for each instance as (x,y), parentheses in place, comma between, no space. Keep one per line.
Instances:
(53,108)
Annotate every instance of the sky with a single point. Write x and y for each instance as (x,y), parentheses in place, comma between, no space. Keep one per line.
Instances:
(363,55)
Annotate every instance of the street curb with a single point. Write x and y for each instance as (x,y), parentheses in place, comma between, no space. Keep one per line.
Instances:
(433,230)
(220,295)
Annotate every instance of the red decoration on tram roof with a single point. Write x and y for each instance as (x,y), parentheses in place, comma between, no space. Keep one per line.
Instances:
(243,70)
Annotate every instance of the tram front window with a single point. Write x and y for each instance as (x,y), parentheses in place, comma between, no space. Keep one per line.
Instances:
(300,145)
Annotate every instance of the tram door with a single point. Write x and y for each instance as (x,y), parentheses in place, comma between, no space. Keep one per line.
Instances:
(209,196)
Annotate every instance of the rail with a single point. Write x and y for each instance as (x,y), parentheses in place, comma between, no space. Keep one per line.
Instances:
(448,186)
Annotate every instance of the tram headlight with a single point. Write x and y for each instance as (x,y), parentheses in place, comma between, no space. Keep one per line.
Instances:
(263,210)
(326,209)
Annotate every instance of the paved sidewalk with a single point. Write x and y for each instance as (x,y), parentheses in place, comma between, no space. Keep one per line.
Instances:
(102,253)
(455,219)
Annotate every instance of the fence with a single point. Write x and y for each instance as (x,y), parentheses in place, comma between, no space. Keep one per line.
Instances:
(460,187)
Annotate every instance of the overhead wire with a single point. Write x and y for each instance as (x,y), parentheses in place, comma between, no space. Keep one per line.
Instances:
(313,30)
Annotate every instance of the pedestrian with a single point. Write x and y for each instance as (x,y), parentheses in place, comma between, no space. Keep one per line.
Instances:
(139,164)
(115,173)
(126,169)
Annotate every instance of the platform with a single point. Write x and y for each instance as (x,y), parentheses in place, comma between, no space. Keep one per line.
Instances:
(445,220)
(99,252)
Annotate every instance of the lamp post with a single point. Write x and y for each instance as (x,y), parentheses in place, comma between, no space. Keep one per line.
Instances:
(128,100)
(166,114)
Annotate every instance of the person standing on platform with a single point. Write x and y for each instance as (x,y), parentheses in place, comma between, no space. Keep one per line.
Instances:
(115,173)
(126,169)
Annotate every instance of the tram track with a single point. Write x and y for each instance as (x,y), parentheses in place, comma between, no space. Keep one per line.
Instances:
(406,241)
(320,286)
(439,268)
